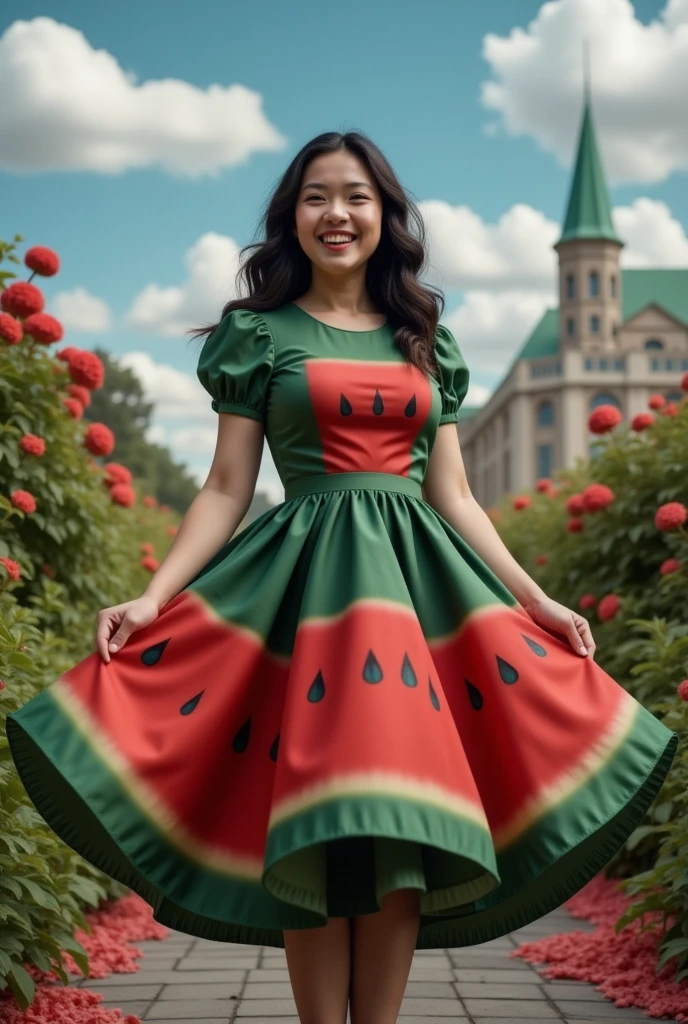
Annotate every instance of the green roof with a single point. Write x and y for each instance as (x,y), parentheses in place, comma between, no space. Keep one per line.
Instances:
(588,214)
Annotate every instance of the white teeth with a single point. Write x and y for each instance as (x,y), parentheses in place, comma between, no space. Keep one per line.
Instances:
(338,238)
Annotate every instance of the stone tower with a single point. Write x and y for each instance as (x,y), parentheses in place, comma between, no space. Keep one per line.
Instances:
(588,251)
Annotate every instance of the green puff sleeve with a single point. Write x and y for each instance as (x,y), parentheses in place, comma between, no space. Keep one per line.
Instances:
(236,363)
(454,374)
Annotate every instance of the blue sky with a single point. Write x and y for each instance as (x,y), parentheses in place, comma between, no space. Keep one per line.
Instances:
(128,153)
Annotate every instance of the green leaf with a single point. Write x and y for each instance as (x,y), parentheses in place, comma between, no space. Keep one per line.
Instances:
(22,985)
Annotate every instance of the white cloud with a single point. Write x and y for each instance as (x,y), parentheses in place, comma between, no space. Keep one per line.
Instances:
(78,310)
(477,394)
(211,265)
(653,236)
(639,76)
(68,106)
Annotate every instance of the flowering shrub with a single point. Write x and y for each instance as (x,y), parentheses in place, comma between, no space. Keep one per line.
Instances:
(616,534)
(70,536)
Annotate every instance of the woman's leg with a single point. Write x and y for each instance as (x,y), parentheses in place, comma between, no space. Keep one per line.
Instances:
(383,947)
(319,964)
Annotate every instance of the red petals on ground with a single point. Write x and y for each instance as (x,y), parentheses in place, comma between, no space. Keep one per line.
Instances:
(622,966)
(113,927)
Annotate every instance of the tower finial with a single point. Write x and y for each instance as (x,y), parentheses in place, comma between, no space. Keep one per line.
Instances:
(586,68)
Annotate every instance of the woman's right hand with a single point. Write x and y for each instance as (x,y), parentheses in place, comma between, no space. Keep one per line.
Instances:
(116,624)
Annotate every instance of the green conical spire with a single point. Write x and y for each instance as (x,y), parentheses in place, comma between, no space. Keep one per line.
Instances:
(588,214)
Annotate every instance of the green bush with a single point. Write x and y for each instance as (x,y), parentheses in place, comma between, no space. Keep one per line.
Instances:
(643,645)
(76,553)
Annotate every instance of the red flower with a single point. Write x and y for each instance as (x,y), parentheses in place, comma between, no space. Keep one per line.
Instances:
(669,565)
(149,501)
(682,690)
(32,444)
(42,260)
(81,394)
(684,382)
(24,501)
(574,525)
(87,369)
(521,501)
(587,601)
(165,509)
(65,354)
(13,568)
(48,570)
(656,401)
(2,684)
(603,419)
(73,407)
(670,516)
(43,328)
(147,548)
(172,530)
(99,439)
(608,607)
(10,329)
(543,485)
(150,563)
(22,299)
(123,494)
(116,474)
(541,560)
(596,497)
(642,421)
(670,409)
(574,505)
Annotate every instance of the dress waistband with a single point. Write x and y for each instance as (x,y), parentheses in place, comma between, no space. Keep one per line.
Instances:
(352,482)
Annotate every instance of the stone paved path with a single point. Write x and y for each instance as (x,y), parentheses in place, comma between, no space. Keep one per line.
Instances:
(184,980)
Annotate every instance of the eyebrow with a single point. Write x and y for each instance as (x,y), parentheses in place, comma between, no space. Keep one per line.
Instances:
(349,184)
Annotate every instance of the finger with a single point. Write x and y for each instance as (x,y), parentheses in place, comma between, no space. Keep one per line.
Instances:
(585,634)
(121,636)
(575,639)
(103,630)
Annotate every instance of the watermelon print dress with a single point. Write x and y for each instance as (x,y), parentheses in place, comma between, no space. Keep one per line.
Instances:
(345,700)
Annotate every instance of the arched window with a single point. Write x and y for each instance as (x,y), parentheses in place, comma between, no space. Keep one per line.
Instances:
(612,286)
(594,325)
(570,325)
(594,285)
(653,344)
(570,287)
(545,414)
(603,398)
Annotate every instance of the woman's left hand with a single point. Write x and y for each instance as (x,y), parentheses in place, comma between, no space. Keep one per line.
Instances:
(558,619)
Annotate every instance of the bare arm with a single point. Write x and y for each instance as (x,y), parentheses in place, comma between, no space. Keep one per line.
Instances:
(446,489)
(217,509)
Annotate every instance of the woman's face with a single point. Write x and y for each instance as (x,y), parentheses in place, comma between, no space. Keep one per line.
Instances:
(338,194)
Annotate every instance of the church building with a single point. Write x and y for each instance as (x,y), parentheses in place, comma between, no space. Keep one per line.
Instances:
(616,337)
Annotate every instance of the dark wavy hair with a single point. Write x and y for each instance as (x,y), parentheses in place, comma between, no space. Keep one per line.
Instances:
(279,271)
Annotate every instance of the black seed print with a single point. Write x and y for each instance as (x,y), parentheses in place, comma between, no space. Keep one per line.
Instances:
(191,705)
(372,671)
(535,646)
(434,699)
(408,676)
(410,409)
(345,407)
(474,695)
(152,655)
(507,671)
(240,741)
(317,689)
(274,748)
(378,405)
